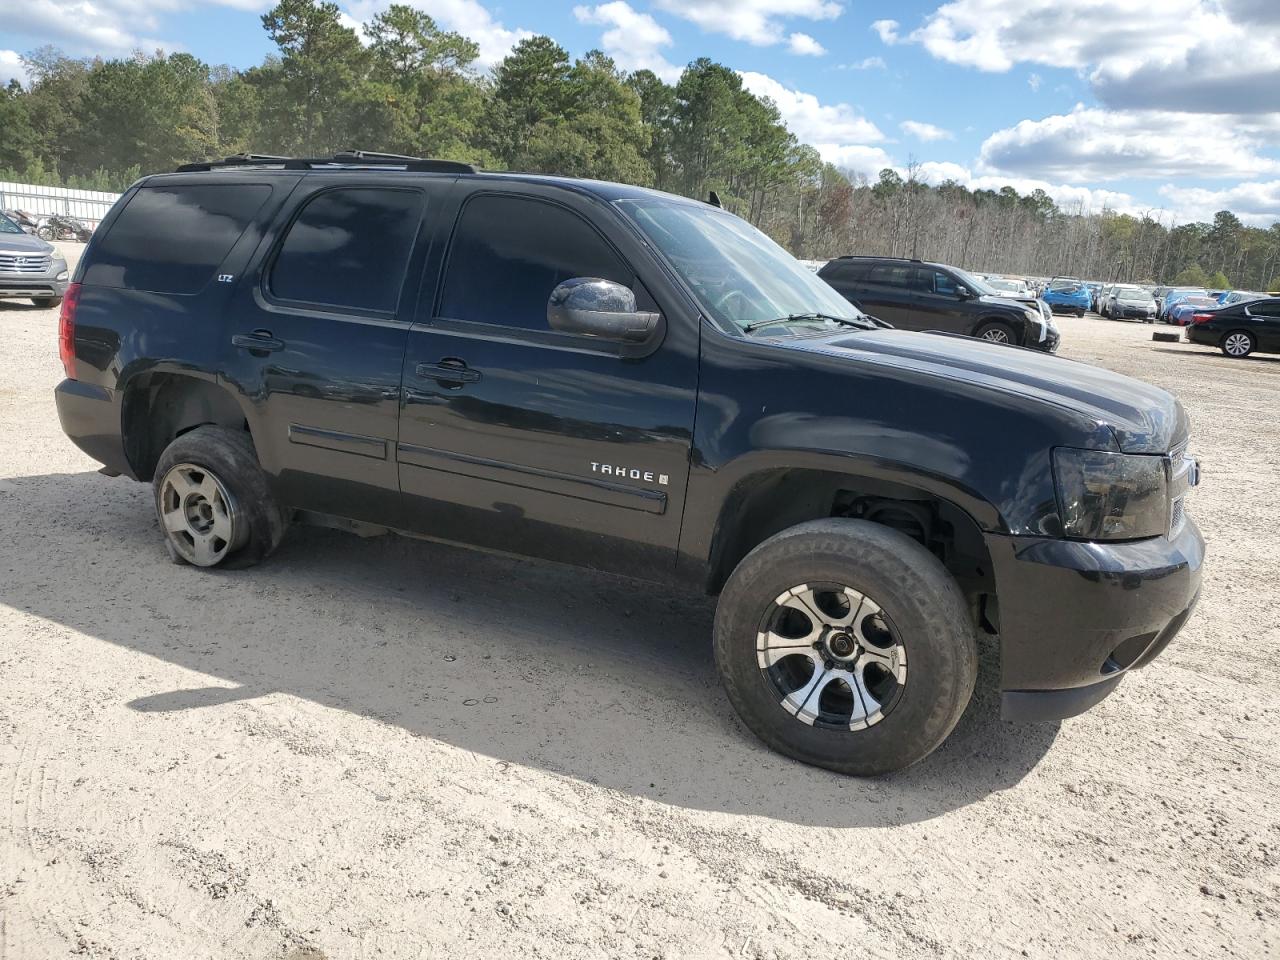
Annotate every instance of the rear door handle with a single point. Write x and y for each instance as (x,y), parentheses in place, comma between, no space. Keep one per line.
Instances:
(260,341)
(448,370)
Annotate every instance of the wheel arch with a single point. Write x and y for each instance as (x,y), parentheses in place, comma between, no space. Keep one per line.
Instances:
(1016,328)
(160,405)
(945,519)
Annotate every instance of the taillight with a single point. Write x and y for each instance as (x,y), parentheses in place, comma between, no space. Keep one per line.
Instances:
(67,330)
(1201,317)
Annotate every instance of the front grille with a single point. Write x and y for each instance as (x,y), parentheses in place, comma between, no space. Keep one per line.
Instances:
(15,263)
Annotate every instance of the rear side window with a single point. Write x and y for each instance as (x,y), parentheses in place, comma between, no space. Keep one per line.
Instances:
(349,248)
(1265,308)
(846,271)
(894,275)
(171,239)
(509,253)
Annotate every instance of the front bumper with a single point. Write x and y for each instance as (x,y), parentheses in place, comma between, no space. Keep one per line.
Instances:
(1133,313)
(24,286)
(1076,617)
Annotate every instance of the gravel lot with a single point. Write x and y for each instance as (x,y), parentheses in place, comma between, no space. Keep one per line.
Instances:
(387,748)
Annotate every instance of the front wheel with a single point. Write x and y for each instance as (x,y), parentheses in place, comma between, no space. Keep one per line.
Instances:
(996,333)
(44,233)
(213,501)
(1238,344)
(847,645)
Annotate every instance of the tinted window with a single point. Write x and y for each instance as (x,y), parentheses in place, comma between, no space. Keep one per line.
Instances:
(1265,308)
(846,271)
(893,274)
(171,239)
(509,253)
(349,248)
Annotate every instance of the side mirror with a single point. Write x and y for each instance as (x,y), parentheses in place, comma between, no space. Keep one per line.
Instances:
(963,292)
(591,307)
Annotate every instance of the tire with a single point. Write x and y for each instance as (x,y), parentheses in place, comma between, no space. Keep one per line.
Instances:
(47,301)
(995,332)
(1238,344)
(921,612)
(213,502)
(45,233)
(1080,314)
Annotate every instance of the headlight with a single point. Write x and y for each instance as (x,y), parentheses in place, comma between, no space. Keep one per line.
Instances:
(62,275)
(1110,496)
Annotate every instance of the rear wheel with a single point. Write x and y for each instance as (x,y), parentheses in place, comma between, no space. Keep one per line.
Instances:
(213,500)
(1238,344)
(847,645)
(996,333)
(46,301)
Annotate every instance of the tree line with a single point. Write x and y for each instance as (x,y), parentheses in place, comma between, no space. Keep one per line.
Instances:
(408,86)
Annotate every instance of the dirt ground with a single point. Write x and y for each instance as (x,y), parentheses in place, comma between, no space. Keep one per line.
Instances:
(387,748)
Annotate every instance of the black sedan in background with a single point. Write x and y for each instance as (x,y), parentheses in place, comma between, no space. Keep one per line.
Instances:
(1252,326)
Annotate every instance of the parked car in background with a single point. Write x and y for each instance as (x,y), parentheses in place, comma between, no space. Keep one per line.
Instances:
(1251,326)
(1238,296)
(1095,290)
(1176,295)
(1064,295)
(28,222)
(30,268)
(1183,310)
(914,295)
(1017,289)
(1129,302)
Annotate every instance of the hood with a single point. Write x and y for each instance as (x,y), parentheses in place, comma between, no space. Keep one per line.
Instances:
(24,243)
(1143,418)
(1008,300)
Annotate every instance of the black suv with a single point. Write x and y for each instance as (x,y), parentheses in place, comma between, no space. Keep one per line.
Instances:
(642,384)
(914,295)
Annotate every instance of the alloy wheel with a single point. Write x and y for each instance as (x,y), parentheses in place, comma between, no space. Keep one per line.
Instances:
(996,335)
(831,656)
(199,515)
(1237,344)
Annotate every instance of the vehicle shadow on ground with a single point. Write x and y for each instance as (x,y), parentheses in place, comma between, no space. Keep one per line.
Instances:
(588,676)
(1213,353)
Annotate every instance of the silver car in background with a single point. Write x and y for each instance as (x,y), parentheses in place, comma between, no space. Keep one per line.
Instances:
(1126,301)
(30,268)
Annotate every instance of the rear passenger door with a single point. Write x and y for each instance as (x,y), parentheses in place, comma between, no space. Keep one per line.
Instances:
(315,340)
(890,294)
(527,440)
(1266,323)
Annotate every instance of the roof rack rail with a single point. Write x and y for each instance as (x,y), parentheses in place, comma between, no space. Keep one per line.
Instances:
(344,158)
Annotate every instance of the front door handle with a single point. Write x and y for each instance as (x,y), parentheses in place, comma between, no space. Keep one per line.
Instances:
(448,370)
(259,342)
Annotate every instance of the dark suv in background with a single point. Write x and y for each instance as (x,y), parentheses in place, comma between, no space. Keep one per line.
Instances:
(643,384)
(916,295)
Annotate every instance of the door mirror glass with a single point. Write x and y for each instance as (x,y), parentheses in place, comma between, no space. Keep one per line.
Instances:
(963,292)
(591,307)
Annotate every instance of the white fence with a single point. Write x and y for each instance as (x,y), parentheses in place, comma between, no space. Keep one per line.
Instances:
(88,205)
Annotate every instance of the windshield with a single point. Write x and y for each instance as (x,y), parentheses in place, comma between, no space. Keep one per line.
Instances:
(1065,286)
(1012,286)
(737,274)
(1132,293)
(8,226)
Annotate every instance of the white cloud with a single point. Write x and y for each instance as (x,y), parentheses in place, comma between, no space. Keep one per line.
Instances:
(1192,55)
(467,17)
(634,40)
(1095,144)
(804,45)
(1069,197)
(11,68)
(756,21)
(867,63)
(924,131)
(888,31)
(1034,82)
(811,120)
(840,134)
(103,27)
(1257,204)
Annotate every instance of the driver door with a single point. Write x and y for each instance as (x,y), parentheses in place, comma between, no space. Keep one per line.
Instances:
(524,439)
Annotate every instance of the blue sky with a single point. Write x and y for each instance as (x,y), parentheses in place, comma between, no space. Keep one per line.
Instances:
(1171,106)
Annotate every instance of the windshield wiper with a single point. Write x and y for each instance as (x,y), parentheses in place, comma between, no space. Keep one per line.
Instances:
(862,323)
